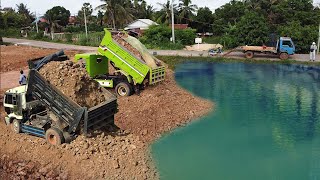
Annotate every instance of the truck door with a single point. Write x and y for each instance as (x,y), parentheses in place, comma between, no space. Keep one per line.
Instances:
(287,46)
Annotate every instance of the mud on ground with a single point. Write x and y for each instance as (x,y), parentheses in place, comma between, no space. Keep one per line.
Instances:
(16,57)
(107,155)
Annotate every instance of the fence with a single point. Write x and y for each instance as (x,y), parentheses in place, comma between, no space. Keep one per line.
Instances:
(93,39)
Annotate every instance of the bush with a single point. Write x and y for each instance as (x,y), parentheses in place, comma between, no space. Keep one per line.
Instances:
(158,37)
(68,37)
(36,36)
(302,36)
(252,29)
(72,29)
(11,32)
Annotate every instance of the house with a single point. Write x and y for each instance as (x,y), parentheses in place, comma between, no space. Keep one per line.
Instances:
(72,20)
(179,26)
(138,26)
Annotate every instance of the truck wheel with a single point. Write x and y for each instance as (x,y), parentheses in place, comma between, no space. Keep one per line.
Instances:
(54,136)
(123,89)
(16,126)
(249,54)
(284,56)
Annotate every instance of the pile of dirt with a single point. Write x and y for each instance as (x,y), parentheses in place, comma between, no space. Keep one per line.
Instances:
(119,39)
(118,155)
(107,155)
(73,80)
(159,109)
(21,169)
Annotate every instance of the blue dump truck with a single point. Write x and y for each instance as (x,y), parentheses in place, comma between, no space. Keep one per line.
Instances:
(283,49)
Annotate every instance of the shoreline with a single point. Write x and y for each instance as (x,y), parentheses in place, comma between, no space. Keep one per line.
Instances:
(144,119)
(114,155)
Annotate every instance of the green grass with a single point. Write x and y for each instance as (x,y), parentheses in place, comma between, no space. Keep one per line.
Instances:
(173,61)
(212,40)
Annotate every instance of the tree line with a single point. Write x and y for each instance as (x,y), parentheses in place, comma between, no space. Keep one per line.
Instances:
(239,22)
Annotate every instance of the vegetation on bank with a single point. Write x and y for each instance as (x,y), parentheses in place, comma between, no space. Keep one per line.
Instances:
(173,61)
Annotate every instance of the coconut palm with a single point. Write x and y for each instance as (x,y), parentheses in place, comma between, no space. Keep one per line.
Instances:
(117,11)
(25,12)
(165,12)
(186,9)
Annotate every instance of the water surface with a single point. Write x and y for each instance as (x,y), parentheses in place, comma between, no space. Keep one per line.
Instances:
(265,124)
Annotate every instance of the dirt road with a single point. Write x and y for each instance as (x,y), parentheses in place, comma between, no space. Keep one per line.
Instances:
(184,53)
(110,154)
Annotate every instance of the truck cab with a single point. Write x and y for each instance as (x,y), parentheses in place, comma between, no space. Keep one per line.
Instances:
(285,45)
(14,102)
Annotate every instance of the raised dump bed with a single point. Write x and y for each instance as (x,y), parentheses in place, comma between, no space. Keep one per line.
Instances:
(132,72)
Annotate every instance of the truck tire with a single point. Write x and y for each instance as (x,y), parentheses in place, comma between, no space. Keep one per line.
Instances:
(249,54)
(54,136)
(123,89)
(284,56)
(16,126)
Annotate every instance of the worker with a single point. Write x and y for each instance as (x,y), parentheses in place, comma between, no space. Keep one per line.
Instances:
(313,49)
(22,79)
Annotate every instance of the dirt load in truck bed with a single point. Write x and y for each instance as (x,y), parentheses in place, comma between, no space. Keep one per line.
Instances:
(73,81)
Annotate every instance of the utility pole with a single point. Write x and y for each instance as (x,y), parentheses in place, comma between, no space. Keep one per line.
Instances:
(319,39)
(172,22)
(85,22)
(36,22)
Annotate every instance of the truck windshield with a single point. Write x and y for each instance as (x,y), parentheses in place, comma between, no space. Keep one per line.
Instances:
(10,99)
(287,43)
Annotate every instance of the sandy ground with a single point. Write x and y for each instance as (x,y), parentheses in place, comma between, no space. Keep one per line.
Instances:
(110,154)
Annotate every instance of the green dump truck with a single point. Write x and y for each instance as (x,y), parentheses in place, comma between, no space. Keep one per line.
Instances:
(131,73)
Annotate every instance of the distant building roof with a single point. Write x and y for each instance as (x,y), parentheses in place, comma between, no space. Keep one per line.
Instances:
(179,26)
(141,23)
(39,19)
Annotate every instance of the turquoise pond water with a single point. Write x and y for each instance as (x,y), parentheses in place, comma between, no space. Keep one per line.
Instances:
(265,124)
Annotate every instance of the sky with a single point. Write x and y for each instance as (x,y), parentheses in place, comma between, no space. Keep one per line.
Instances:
(41,6)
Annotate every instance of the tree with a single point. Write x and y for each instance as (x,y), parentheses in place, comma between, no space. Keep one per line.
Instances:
(59,15)
(86,7)
(164,15)
(204,19)
(252,29)
(186,9)
(100,17)
(141,10)
(2,23)
(24,11)
(228,14)
(117,12)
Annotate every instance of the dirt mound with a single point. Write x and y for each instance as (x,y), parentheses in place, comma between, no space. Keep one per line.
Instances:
(73,81)
(21,169)
(159,109)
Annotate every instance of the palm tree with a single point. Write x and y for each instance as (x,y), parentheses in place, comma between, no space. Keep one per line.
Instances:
(165,12)
(186,9)
(117,11)
(24,11)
